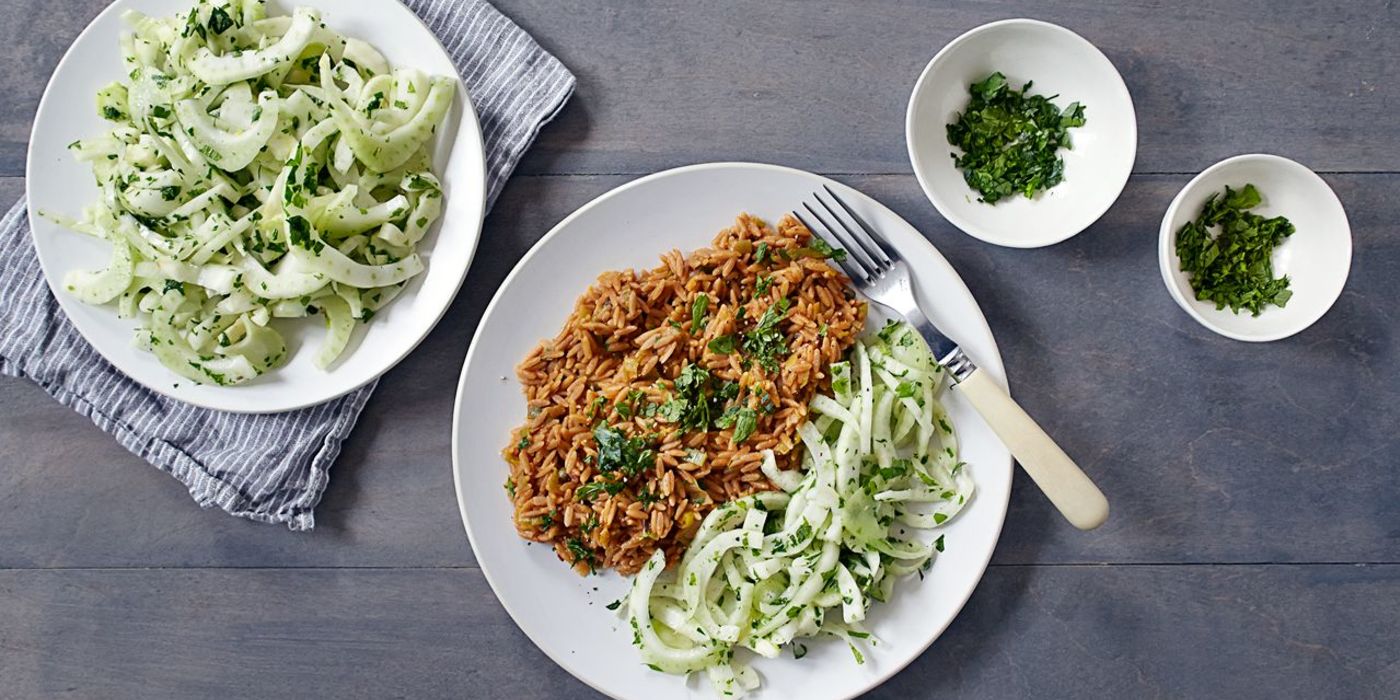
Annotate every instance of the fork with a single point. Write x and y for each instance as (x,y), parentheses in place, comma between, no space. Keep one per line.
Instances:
(882,276)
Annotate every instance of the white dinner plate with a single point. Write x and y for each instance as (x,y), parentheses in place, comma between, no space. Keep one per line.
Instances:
(632,226)
(57,182)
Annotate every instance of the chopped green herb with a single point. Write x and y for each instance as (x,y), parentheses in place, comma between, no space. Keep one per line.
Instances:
(580,553)
(592,489)
(299,234)
(825,249)
(1010,140)
(617,452)
(219,21)
(743,419)
(698,309)
(375,102)
(760,253)
(765,343)
(696,399)
(1234,268)
(722,345)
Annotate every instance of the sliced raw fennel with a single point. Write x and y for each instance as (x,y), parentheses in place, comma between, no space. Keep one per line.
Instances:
(237,188)
(811,558)
(235,66)
(224,149)
(105,285)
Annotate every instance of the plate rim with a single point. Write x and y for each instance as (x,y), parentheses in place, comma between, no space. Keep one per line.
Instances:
(469,125)
(997,370)
(920,86)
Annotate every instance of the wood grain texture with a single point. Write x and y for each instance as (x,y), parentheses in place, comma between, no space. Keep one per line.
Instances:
(1044,632)
(1254,546)
(670,82)
(1210,450)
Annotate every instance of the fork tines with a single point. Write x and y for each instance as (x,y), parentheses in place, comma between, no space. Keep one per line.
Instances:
(868,257)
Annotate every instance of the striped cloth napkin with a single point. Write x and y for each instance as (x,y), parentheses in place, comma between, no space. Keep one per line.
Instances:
(270,468)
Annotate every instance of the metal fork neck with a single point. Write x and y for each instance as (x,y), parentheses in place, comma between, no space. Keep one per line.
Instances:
(947,352)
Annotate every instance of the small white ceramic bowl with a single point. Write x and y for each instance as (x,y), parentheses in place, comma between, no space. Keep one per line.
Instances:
(1316,258)
(1059,62)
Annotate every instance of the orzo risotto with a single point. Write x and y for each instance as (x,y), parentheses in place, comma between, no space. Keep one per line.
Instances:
(656,399)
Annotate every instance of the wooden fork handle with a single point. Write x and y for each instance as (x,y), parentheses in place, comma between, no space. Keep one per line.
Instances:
(1062,481)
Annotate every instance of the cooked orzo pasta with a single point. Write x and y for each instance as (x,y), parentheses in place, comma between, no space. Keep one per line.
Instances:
(657,398)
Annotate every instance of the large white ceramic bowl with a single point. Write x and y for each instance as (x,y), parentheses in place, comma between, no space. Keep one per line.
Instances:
(1060,63)
(564,614)
(1316,258)
(56,182)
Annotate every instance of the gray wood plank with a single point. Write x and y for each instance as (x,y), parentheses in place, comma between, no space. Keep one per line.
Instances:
(674,82)
(1211,450)
(1047,632)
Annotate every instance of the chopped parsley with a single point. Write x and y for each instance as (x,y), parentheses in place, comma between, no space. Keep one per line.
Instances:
(591,490)
(722,345)
(1234,268)
(617,452)
(698,309)
(1010,140)
(580,553)
(760,253)
(299,234)
(375,102)
(219,21)
(697,400)
(765,343)
(825,250)
(743,419)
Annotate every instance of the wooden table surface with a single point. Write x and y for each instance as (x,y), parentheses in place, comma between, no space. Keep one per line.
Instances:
(1254,548)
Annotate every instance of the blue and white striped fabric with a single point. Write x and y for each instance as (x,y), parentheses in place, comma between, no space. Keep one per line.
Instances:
(270,468)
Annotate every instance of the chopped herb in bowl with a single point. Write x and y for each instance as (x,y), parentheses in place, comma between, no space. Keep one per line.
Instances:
(1234,266)
(1010,139)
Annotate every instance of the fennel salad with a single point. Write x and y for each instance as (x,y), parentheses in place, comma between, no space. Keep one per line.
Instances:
(257,168)
(880,477)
